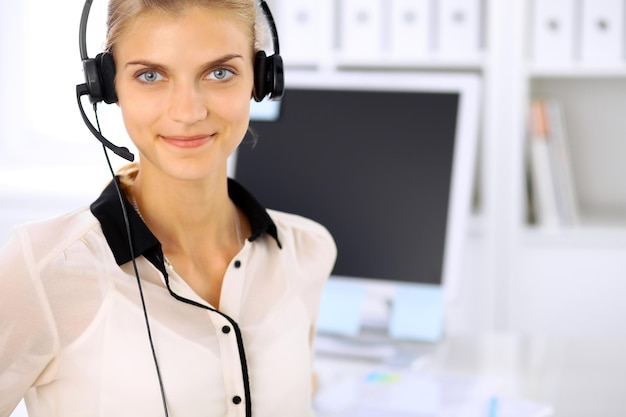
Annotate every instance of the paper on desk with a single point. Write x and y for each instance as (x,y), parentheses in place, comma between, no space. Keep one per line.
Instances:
(405,394)
(410,394)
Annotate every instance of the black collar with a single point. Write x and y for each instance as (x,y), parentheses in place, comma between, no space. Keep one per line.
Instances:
(108,211)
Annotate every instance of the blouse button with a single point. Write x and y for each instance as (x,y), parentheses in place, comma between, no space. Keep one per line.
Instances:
(226,329)
(236,399)
(237,264)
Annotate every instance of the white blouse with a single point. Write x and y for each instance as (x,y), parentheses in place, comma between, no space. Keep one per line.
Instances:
(74,341)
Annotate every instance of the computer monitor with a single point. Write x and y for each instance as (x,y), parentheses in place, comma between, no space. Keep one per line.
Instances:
(384,160)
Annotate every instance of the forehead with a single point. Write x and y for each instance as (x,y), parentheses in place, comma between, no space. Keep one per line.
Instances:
(193,30)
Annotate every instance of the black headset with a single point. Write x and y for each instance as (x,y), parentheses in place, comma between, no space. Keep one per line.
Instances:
(269,79)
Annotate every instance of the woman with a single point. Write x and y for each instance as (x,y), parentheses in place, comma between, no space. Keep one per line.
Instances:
(216,315)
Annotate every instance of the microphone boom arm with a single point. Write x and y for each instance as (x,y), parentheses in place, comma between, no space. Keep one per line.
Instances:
(81,90)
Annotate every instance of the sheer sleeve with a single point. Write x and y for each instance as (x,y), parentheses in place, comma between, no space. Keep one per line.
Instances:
(27,338)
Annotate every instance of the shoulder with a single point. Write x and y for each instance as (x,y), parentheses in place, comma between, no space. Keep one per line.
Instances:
(44,239)
(36,292)
(299,229)
(307,237)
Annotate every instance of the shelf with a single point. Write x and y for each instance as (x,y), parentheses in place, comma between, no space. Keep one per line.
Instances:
(431,62)
(577,70)
(475,63)
(587,236)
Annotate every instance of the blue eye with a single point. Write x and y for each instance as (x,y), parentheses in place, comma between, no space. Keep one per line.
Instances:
(220,74)
(150,76)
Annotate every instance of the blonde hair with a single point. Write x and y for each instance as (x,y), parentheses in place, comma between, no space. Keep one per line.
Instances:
(127,175)
(121,14)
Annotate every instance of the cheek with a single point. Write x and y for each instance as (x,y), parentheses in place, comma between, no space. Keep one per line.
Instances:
(233,107)
(136,117)
(138,110)
(241,118)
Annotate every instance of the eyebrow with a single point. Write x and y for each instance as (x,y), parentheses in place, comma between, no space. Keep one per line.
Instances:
(210,64)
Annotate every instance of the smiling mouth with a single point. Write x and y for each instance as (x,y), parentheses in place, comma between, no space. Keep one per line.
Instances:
(188,141)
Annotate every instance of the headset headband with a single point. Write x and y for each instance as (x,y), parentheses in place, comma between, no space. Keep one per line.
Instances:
(82,33)
(270,20)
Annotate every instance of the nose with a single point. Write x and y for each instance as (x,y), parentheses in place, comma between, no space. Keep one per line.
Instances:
(187,104)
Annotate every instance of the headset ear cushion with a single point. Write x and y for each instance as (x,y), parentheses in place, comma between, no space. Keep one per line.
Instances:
(260,76)
(277,78)
(269,78)
(92,80)
(106,67)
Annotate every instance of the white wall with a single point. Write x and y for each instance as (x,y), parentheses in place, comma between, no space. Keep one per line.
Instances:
(49,161)
(40,67)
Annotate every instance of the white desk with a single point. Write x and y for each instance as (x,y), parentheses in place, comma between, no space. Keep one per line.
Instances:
(461,378)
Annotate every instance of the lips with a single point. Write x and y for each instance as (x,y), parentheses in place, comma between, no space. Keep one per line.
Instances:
(188,141)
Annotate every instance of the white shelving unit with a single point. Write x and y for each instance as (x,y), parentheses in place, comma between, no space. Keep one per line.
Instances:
(564,285)
(570,276)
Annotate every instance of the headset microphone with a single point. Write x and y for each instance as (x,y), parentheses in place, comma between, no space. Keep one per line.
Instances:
(99,83)
(82,90)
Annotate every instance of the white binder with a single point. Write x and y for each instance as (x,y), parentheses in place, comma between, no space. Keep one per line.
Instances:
(410,28)
(602,31)
(361,28)
(553,31)
(298,24)
(459,23)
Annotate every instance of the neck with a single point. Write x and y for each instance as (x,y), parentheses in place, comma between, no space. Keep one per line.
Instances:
(189,216)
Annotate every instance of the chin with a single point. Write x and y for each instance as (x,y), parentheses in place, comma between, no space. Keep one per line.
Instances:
(197,170)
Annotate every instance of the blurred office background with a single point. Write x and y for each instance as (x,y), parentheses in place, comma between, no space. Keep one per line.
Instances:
(553,284)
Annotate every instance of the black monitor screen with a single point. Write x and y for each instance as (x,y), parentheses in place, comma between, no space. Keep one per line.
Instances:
(374,167)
